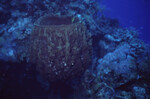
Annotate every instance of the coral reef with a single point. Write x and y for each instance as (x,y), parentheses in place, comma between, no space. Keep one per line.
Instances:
(60,47)
(120,69)
(120,62)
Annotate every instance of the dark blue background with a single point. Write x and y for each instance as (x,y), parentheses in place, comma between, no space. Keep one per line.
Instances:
(131,13)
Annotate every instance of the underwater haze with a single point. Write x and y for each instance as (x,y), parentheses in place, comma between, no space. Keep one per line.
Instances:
(74,49)
(131,13)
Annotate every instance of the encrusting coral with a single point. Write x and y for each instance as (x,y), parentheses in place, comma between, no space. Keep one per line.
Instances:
(60,47)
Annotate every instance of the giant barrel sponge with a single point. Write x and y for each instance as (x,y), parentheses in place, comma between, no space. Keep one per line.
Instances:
(60,47)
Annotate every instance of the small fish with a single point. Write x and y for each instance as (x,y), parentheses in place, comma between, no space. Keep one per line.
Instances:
(73,19)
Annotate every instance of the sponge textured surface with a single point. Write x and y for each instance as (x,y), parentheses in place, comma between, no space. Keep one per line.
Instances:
(60,47)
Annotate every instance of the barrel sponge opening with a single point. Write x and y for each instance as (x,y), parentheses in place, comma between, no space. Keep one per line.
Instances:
(55,20)
(60,49)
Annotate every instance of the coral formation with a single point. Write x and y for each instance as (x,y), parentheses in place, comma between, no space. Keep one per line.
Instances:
(60,47)
(120,61)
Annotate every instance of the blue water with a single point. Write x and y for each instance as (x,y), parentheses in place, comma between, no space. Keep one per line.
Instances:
(131,13)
